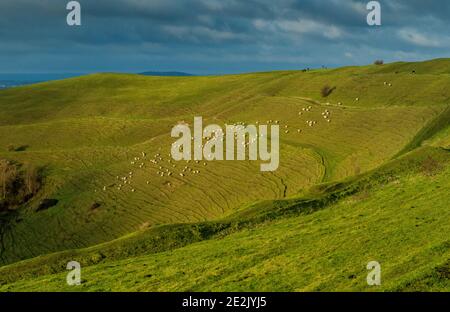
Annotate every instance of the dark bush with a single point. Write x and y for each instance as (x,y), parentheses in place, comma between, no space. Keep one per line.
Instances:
(46,204)
(379,62)
(18,184)
(327,90)
(95,205)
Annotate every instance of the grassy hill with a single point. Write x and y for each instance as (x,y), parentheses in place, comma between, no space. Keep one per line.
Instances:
(369,185)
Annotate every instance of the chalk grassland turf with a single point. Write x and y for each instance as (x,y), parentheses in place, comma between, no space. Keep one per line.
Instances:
(87,130)
(397,215)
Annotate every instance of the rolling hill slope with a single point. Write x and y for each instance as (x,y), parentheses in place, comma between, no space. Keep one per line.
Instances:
(88,131)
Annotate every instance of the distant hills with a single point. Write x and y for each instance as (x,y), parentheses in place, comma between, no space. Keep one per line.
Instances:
(16,80)
(169,73)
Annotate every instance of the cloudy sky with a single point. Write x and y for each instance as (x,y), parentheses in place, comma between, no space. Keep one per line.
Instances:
(216,36)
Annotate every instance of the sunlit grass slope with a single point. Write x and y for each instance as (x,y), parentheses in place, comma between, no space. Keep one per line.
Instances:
(396,215)
(87,131)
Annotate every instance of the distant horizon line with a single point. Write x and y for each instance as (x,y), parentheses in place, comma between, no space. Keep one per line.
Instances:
(69,74)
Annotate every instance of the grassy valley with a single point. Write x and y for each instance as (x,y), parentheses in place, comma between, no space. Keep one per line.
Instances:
(368,183)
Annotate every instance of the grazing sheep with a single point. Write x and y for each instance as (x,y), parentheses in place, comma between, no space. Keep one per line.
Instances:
(133,190)
(357,99)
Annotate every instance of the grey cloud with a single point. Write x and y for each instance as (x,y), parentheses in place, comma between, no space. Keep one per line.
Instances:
(211,36)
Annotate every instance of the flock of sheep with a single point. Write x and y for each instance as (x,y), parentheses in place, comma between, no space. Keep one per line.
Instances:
(166,167)
(163,168)
(326,115)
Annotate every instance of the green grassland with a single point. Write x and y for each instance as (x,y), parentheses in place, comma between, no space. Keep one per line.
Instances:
(371,184)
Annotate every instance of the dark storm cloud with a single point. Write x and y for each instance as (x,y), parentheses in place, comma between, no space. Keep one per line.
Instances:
(215,36)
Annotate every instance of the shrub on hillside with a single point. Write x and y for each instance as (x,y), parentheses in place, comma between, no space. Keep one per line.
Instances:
(327,90)
(379,62)
(18,184)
